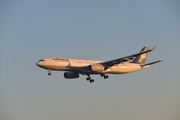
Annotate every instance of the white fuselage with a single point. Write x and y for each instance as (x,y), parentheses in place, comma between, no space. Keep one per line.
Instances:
(66,64)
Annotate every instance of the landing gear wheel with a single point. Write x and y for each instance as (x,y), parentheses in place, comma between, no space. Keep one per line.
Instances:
(88,78)
(106,76)
(102,75)
(91,81)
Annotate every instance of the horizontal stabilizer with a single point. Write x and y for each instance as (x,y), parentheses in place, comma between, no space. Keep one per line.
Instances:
(151,63)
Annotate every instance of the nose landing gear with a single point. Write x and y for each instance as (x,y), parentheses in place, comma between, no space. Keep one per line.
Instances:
(49,72)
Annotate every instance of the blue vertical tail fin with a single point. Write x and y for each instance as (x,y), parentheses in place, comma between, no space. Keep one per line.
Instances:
(141,59)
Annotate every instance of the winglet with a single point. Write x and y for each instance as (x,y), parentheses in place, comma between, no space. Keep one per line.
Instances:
(153,48)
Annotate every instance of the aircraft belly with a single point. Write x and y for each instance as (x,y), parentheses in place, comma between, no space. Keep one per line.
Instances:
(122,69)
(55,66)
(63,66)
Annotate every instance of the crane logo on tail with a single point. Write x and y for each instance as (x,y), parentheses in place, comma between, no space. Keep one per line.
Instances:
(143,56)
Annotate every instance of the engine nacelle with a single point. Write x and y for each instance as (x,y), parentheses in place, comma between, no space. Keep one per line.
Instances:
(71,75)
(96,67)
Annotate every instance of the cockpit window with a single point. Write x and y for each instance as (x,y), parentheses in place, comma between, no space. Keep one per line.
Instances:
(41,60)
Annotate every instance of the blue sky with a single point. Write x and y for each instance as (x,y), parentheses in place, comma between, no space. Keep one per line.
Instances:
(96,29)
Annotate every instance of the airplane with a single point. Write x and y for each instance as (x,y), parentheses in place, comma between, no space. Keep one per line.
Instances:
(74,67)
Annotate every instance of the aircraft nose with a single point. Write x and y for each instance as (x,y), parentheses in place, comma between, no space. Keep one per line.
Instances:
(40,63)
(37,63)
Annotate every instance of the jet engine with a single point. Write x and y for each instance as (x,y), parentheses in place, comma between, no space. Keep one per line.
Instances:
(71,75)
(96,67)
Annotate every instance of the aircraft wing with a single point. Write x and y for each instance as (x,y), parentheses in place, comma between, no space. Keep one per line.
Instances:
(111,63)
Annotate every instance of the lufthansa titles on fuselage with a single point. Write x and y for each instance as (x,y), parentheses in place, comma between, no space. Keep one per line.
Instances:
(60,59)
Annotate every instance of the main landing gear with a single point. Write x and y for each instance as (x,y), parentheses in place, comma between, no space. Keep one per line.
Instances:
(92,80)
(89,79)
(105,76)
